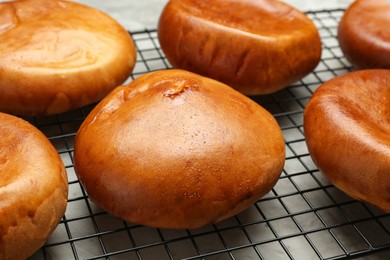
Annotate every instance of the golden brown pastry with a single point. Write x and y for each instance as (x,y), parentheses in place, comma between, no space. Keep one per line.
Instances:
(33,188)
(177,150)
(364,34)
(58,55)
(255,46)
(347,129)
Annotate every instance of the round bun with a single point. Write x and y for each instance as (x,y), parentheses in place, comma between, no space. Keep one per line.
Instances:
(364,34)
(178,150)
(347,129)
(255,46)
(58,55)
(33,188)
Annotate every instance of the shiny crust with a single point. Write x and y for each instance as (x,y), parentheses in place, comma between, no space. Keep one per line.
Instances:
(33,188)
(347,129)
(59,55)
(364,34)
(177,150)
(255,46)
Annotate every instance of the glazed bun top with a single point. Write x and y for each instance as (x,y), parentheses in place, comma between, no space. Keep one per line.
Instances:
(364,34)
(254,46)
(48,36)
(265,16)
(347,131)
(177,150)
(58,55)
(33,188)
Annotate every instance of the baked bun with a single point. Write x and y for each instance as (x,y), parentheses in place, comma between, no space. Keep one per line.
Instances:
(347,129)
(33,188)
(58,55)
(177,150)
(255,46)
(364,34)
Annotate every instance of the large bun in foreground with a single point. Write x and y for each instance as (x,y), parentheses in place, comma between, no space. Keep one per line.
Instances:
(364,34)
(347,130)
(33,188)
(177,150)
(59,55)
(255,46)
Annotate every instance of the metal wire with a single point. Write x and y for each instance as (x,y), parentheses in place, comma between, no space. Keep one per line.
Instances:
(303,217)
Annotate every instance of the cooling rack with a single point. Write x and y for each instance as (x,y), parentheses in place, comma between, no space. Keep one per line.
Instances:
(303,217)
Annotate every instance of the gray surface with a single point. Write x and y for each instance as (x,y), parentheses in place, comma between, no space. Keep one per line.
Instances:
(134,15)
(137,15)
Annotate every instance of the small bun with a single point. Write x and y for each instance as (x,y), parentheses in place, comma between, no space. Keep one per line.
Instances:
(178,150)
(33,188)
(364,34)
(58,55)
(347,129)
(255,46)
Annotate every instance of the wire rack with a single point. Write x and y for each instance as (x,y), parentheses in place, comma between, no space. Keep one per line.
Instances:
(303,217)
